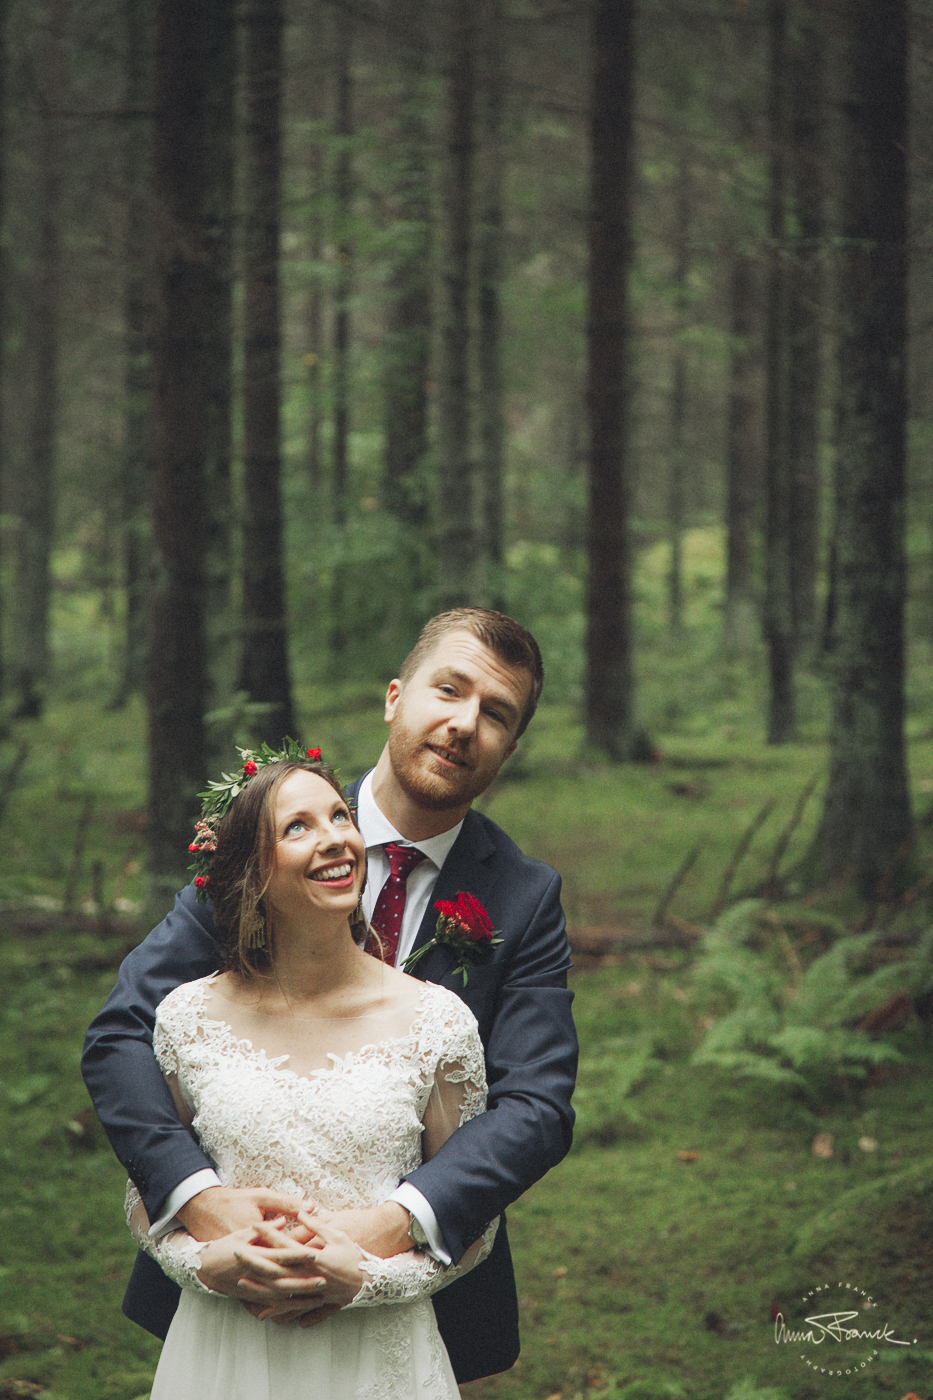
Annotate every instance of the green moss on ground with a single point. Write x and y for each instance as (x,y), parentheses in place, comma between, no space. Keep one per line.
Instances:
(638,1267)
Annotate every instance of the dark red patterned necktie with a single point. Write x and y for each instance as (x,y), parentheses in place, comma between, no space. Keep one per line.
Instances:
(390,906)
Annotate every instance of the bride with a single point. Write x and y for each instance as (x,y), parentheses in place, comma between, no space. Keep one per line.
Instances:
(309,1067)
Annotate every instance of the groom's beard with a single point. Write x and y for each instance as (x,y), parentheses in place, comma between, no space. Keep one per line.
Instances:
(424,781)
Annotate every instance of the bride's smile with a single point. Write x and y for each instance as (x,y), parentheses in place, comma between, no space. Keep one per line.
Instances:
(320,858)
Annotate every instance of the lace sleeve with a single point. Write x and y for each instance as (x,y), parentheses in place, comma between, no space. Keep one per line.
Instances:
(458,1093)
(416,1275)
(178,1254)
(162,1044)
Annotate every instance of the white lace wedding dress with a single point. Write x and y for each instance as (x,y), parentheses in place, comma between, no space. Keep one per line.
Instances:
(339,1122)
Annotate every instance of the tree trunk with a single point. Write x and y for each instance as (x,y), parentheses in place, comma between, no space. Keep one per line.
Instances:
(343,286)
(866,816)
(314,307)
(610,720)
(4,445)
(458,580)
(677,460)
(221,621)
(314,355)
(805,324)
(37,488)
(778,602)
(177,686)
(407,346)
(490,408)
(741,461)
(136,467)
(264,663)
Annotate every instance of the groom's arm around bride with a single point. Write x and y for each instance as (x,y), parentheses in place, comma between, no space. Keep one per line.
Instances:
(462,699)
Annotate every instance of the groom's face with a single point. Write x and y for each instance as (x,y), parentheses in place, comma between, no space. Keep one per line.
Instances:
(453,722)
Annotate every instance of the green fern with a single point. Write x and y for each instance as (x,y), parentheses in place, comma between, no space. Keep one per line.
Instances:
(601,1101)
(653,1389)
(751,1064)
(748,1390)
(849,1210)
(833,992)
(789,1025)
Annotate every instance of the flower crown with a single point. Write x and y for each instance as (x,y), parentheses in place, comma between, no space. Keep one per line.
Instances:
(219,797)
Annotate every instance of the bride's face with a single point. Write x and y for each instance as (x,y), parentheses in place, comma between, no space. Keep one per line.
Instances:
(320,858)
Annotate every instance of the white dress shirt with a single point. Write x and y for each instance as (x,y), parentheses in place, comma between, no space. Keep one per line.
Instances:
(376,830)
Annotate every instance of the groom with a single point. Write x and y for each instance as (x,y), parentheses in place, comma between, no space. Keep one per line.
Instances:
(462,699)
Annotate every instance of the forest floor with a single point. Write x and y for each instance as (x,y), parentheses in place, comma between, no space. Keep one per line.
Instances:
(693,1206)
(650,1263)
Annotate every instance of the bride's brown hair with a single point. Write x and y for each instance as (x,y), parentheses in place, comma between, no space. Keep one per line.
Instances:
(243,863)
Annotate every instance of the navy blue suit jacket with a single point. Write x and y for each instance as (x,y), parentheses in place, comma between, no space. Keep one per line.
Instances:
(518,993)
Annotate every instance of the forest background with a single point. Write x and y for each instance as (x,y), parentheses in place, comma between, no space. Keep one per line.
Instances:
(316,318)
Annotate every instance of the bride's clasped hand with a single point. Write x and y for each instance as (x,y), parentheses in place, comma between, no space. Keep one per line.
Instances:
(298,1256)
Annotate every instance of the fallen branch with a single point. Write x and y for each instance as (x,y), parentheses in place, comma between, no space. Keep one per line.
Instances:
(661,912)
(77,855)
(769,888)
(605,940)
(10,778)
(738,855)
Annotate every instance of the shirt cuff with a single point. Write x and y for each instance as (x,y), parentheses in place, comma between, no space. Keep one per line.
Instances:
(182,1194)
(411,1198)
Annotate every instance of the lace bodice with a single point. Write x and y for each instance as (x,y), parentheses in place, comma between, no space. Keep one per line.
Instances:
(343,1134)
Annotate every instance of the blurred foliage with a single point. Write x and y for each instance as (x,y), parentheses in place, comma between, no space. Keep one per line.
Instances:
(626,1035)
(791,1016)
(650,1261)
(64,1256)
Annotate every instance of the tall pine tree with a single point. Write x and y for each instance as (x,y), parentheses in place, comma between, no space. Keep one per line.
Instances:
(177,681)
(866,814)
(264,667)
(610,718)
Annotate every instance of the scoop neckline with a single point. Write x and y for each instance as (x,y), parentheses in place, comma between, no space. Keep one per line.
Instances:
(275,1064)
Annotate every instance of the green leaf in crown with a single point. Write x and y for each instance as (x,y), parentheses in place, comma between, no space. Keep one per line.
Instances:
(219,795)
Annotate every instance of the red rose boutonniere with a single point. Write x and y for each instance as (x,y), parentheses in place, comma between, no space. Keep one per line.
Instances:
(463,925)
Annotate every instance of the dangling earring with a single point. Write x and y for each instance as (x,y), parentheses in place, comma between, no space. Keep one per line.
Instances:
(256,938)
(358,922)
(363,932)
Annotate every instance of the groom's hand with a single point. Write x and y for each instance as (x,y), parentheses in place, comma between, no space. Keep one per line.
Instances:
(311,1288)
(382,1230)
(220,1210)
(263,1262)
(304,1314)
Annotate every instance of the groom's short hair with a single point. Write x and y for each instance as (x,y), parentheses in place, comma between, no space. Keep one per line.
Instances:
(512,643)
